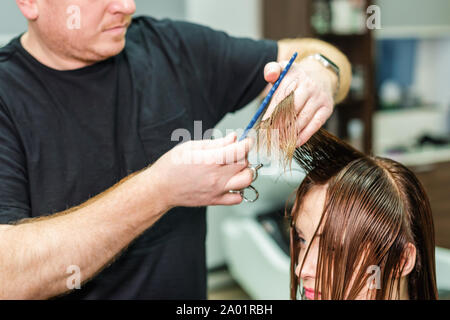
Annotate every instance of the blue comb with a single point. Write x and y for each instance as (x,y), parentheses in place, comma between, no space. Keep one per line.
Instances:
(266,101)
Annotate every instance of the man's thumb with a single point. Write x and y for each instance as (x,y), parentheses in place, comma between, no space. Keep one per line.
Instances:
(272,72)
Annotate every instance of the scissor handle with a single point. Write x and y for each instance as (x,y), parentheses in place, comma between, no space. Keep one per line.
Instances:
(242,193)
(255,171)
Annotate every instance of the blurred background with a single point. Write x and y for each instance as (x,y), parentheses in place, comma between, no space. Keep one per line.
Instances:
(399,107)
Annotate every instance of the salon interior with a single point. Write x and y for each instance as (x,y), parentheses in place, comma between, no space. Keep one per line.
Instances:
(398,107)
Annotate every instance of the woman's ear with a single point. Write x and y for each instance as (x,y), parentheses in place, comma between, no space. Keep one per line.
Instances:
(408,259)
(29,8)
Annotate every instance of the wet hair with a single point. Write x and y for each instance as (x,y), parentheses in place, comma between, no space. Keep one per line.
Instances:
(374,207)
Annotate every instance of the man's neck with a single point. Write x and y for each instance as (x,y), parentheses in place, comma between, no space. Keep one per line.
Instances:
(32,44)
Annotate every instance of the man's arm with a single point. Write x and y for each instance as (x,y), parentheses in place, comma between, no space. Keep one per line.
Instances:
(307,47)
(35,254)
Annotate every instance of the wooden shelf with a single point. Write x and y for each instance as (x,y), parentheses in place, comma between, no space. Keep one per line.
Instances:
(346,36)
(435,178)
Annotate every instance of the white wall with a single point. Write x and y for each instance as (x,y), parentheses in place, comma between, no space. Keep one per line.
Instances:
(12,22)
(236,17)
(414,17)
(174,9)
(414,12)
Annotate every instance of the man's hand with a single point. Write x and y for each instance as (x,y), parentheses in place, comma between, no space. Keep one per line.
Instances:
(314,87)
(201,173)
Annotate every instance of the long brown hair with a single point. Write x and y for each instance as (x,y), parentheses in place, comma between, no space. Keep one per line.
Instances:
(373,208)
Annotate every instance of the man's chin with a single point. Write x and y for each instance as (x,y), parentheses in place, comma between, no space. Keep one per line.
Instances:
(110,50)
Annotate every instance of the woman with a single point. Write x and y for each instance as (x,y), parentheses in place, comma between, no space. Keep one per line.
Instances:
(362,226)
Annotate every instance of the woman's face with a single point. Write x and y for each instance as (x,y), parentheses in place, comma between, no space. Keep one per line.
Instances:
(306,224)
(308,218)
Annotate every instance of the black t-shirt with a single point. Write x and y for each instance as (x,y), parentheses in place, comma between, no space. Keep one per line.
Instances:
(66,136)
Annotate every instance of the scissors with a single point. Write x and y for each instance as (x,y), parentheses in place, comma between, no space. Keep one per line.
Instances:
(251,188)
(255,118)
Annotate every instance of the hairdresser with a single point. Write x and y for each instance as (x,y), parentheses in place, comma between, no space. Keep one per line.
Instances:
(94,200)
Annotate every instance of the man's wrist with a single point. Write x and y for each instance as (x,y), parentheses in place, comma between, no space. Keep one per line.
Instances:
(153,187)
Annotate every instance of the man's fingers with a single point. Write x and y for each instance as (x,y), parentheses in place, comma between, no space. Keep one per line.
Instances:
(288,85)
(301,96)
(232,153)
(303,93)
(314,125)
(219,143)
(236,152)
(272,72)
(240,181)
(213,143)
(229,199)
(307,113)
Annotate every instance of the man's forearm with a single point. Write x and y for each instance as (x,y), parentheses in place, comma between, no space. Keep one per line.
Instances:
(308,46)
(35,255)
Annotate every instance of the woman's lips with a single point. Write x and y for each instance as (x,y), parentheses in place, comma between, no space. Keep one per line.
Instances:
(309,294)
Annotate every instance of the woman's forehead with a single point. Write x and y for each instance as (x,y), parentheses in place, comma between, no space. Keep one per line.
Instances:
(310,210)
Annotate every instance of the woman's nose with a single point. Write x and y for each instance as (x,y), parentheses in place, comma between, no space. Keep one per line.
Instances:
(309,266)
(309,269)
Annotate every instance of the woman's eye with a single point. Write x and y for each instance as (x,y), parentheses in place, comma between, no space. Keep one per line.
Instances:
(299,239)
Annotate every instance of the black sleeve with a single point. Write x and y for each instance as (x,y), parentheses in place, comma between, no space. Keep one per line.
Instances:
(14,198)
(231,70)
